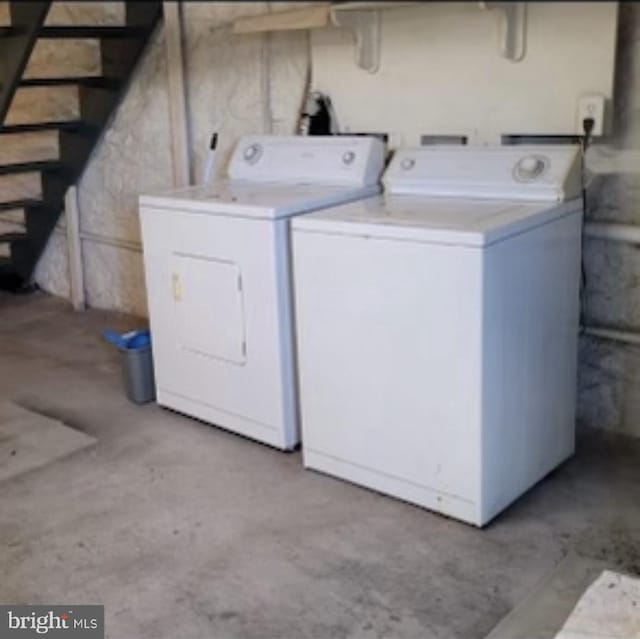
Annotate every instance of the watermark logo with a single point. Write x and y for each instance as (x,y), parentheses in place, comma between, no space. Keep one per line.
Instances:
(52,622)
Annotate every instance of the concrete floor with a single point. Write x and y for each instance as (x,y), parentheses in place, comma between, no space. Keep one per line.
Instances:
(186,531)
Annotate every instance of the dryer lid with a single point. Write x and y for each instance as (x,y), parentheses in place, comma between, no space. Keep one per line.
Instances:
(248,199)
(278,176)
(345,160)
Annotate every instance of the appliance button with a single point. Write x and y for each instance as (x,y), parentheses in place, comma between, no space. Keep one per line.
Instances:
(348,157)
(530,167)
(408,163)
(252,153)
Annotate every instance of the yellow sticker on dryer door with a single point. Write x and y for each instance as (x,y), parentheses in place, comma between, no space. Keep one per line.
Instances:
(176,287)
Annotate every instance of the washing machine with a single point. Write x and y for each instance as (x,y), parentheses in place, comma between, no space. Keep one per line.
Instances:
(437,327)
(217,268)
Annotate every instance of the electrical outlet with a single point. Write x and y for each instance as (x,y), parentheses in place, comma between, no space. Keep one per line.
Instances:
(591,105)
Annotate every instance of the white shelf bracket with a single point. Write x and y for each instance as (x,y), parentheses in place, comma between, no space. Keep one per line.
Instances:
(365,27)
(512,27)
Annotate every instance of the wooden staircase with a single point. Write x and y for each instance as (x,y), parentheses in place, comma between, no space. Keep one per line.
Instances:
(50,120)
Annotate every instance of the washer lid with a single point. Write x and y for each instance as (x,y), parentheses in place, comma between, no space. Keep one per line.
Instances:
(461,222)
(244,198)
(518,172)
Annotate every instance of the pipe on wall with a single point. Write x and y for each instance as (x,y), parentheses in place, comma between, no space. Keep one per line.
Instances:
(128,245)
(74,249)
(629,233)
(180,151)
(626,337)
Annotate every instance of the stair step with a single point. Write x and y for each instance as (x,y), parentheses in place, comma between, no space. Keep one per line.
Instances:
(89,81)
(86,13)
(28,167)
(10,226)
(67,13)
(5,16)
(90,31)
(30,146)
(66,57)
(44,104)
(12,217)
(12,220)
(69,125)
(20,186)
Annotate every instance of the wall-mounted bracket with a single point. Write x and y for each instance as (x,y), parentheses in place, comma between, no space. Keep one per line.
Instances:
(365,26)
(512,27)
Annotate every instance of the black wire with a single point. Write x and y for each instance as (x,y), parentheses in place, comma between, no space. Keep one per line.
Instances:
(583,269)
(584,144)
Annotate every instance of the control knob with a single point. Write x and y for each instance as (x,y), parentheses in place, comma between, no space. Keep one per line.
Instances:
(252,153)
(530,167)
(348,157)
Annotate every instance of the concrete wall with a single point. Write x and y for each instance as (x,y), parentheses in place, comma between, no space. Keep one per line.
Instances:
(251,83)
(609,384)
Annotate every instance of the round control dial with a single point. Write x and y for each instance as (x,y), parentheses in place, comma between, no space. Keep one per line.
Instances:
(530,167)
(252,153)
(348,157)
(408,163)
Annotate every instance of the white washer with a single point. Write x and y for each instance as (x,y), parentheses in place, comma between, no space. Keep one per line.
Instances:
(437,327)
(217,268)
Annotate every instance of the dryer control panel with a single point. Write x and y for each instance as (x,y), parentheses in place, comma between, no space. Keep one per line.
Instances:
(339,160)
(531,172)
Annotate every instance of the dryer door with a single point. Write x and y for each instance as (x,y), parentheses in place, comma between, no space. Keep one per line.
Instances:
(207,295)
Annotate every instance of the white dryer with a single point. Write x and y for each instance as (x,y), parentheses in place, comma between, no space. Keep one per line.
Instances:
(217,269)
(437,327)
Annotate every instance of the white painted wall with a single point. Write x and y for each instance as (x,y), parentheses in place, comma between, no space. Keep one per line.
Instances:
(441,71)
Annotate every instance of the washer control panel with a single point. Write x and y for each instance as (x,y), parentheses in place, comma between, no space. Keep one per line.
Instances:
(530,167)
(339,160)
(522,172)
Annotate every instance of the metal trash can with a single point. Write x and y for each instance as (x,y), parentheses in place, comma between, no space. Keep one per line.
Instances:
(137,363)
